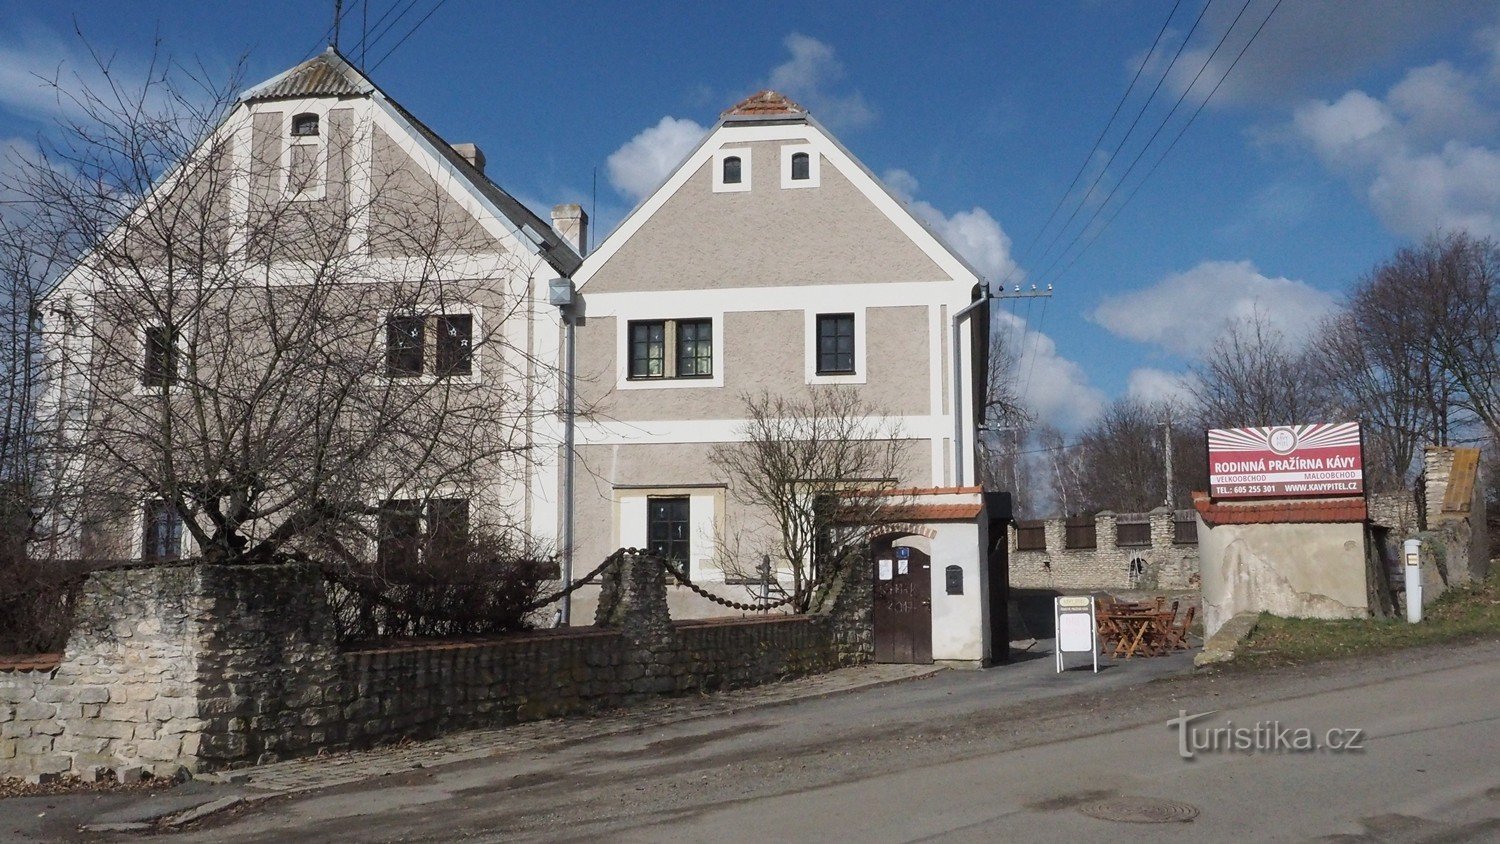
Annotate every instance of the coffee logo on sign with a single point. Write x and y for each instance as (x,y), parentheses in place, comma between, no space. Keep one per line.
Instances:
(1283,440)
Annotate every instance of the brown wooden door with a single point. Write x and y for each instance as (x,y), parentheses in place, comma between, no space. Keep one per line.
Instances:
(903,604)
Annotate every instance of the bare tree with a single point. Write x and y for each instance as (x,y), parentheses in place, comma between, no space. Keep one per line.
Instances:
(815,473)
(271,353)
(1123,461)
(1064,470)
(1254,376)
(1453,280)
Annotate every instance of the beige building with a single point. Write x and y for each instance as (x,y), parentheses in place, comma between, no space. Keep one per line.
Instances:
(770,260)
(320,194)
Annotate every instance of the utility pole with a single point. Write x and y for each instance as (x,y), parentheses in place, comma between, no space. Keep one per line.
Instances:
(338,14)
(1167,450)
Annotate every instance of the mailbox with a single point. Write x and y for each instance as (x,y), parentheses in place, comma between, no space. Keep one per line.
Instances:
(955,578)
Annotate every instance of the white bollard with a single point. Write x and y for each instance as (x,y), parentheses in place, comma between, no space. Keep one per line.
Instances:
(1413,551)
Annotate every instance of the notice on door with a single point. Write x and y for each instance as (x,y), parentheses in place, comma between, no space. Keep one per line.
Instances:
(885,569)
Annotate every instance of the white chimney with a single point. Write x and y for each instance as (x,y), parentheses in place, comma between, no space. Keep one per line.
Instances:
(472,154)
(573,224)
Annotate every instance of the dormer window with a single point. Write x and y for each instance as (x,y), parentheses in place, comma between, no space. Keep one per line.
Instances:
(732,174)
(801,166)
(305,125)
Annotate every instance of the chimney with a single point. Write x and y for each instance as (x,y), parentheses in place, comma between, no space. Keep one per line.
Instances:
(472,154)
(573,224)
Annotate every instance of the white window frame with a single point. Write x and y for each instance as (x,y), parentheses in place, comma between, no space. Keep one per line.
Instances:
(622,353)
(814,171)
(705,514)
(139,387)
(743,154)
(319,189)
(139,543)
(429,344)
(810,356)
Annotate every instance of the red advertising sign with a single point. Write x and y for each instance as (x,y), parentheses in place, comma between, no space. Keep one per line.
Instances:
(1286,461)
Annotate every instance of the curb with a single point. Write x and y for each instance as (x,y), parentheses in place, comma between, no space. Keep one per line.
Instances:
(1221,647)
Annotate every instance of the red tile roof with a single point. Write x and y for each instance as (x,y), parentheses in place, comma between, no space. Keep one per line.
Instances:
(765,104)
(934,512)
(30,662)
(1279,512)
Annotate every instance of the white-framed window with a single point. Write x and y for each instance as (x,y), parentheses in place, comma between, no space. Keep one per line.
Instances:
(835,346)
(680,523)
(162,535)
(411,532)
(160,357)
(304,156)
(732,170)
(664,353)
(440,345)
(801,166)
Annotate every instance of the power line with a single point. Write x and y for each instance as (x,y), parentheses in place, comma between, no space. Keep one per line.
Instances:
(1083,200)
(1193,117)
(1083,166)
(382,32)
(409,33)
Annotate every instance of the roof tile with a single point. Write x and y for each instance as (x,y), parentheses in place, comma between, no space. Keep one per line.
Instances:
(1280,512)
(765,104)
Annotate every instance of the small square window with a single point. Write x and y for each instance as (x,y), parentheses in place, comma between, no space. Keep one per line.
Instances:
(732,170)
(668,528)
(835,344)
(162,536)
(305,125)
(404,336)
(159,369)
(455,344)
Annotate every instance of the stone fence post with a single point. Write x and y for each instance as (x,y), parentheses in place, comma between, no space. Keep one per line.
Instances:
(633,599)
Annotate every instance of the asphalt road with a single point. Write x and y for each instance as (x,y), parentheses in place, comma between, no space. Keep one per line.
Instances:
(1000,755)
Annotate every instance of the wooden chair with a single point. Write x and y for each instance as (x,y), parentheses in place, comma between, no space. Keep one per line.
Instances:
(1177,634)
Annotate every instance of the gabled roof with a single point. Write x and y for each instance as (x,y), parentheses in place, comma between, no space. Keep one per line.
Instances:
(323,75)
(769,107)
(329,74)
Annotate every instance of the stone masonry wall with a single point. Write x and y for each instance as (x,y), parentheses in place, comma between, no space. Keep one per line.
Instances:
(203,667)
(1168,565)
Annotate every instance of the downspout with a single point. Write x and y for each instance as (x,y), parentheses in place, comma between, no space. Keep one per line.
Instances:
(569,410)
(958,384)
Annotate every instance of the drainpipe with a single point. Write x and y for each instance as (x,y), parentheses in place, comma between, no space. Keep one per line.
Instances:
(958,384)
(562,295)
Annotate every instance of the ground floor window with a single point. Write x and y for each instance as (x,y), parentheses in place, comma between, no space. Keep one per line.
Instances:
(667,528)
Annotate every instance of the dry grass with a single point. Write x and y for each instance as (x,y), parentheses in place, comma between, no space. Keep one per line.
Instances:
(1463,614)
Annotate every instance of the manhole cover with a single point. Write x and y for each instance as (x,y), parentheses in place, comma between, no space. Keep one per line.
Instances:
(1140,810)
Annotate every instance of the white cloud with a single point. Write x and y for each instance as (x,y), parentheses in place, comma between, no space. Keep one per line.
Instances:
(636,168)
(1152,385)
(1306,44)
(974,234)
(1185,313)
(1418,154)
(808,77)
(1055,389)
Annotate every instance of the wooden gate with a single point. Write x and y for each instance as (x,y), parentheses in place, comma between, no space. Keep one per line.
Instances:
(903,604)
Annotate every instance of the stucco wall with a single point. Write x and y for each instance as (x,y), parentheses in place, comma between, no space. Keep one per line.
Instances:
(960,623)
(1292,570)
(830,234)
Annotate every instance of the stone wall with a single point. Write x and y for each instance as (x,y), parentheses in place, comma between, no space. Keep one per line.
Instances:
(1455,515)
(1168,564)
(201,668)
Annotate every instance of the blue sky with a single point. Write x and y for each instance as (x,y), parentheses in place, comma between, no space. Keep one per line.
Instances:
(1346,130)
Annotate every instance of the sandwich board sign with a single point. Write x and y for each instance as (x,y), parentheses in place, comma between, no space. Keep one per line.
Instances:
(1076,629)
